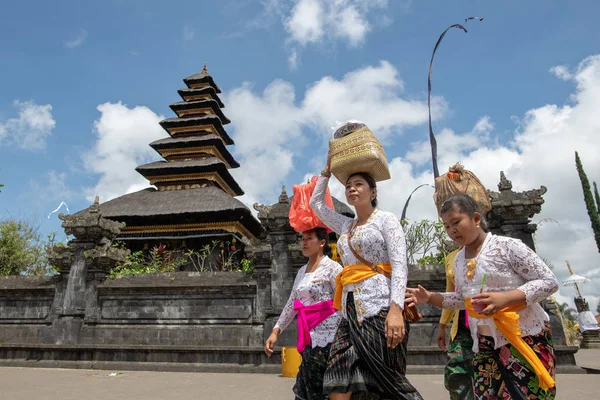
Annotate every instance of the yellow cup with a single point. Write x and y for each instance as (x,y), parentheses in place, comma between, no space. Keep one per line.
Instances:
(290,362)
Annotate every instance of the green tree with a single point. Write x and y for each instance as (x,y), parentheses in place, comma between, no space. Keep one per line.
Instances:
(425,241)
(592,208)
(566,311)
(598,309)
(596,195)
(22,251)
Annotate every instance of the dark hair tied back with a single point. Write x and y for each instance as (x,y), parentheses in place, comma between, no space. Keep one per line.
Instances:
(465,205)
(322,234)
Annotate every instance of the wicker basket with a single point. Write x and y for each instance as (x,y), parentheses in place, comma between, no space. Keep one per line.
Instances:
(459,180)
(359,151)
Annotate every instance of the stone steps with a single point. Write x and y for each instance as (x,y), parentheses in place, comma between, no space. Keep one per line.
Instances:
(422,359)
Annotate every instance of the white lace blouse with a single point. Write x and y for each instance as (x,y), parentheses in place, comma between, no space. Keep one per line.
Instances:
(508,264)
(378,241)
(314,287)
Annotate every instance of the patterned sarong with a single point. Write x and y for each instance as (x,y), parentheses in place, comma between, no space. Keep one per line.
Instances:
(309,381)
(505,374)
(360,361)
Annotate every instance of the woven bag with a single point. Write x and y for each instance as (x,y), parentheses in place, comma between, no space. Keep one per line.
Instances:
(359,151)
(459,180)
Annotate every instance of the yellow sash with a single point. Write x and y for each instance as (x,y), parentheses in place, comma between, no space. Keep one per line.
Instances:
(507,322)
(354,274)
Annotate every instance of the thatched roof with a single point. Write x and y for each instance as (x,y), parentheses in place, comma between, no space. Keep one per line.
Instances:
(197,121)
(201,77)
(212,104)
(151,202)
(153,207)
(210,91)
(211,164)
(195,141)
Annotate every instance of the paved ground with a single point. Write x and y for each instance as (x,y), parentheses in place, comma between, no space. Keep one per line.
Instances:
(61,384)
(588,358)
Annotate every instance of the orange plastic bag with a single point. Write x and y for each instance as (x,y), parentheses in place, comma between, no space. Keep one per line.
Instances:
(302,217)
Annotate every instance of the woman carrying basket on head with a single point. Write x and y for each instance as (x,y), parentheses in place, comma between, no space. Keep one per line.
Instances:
(311,300)
(368,355)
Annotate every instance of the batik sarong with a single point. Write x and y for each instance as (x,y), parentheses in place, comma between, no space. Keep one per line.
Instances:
(504,373)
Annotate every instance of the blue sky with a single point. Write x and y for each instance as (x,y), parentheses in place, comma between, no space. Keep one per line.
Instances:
(495,90)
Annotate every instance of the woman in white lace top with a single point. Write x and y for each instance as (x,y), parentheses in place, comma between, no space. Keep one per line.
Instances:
(500,281)
(311,302)
(368,354)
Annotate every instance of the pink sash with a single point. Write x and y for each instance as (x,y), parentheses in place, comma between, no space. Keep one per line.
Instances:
(309,317)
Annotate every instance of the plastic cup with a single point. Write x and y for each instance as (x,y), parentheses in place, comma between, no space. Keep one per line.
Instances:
(472,290)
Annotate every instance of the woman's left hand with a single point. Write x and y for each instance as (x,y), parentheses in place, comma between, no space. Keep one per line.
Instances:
(494,302)
(394,326)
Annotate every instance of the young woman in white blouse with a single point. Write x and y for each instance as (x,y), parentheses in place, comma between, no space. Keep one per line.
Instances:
(368,355)
(500,281)
(311,302)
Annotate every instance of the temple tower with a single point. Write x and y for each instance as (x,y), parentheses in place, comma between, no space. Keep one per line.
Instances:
(193,202)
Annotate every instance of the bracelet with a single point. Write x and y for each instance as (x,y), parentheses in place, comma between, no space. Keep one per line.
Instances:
(326,174)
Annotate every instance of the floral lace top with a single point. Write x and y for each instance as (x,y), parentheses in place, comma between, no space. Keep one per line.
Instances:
(314,287)
(379,240)
(508,264)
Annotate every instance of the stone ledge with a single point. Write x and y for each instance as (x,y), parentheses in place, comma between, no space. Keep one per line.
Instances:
(204,358)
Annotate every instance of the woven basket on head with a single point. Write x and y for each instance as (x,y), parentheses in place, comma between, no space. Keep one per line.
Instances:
(459,180)
(358,151)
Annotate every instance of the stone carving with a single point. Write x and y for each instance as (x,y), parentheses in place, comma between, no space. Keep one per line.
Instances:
(511,211)
(263,211)
(93,235)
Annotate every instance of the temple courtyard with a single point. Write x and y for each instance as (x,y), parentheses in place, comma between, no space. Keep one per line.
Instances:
(63,384)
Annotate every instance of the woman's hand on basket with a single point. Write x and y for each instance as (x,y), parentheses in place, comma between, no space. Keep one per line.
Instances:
(394,326)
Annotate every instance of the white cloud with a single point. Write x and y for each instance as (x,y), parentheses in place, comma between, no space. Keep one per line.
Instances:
(312,21)
(562,72)
(293,60)
(31,128)
(77,41)
(448,142)
(122,138)
(306,22)
(188,33)
(371,95)
(315,22)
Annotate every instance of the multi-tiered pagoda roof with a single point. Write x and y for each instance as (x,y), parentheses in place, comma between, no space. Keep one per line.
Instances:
(195,193)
